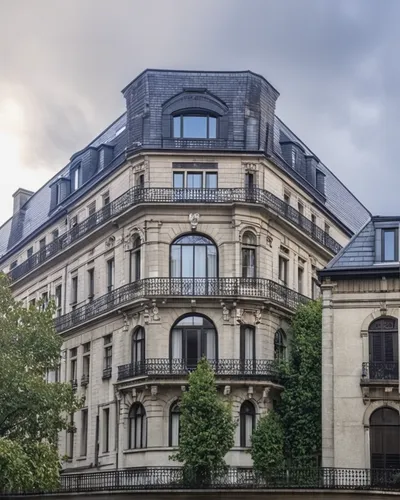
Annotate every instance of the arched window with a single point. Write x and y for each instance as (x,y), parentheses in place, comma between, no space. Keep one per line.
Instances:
(137,432)
(193,337)
(383,349)
(138,350)
(247,343)
(247,423)
(385,439)
(280,345)
(135,260)
(193,258)
(174,424)
(249,243)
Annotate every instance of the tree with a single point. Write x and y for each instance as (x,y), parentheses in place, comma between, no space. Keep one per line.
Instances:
(267,444)
(206,428)
(32,411)
(300,407)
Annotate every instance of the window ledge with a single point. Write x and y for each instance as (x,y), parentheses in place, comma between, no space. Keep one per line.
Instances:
(81,459)
(392,263)
(155,448)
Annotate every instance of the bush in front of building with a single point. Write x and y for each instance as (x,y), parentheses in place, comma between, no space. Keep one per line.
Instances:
(206,429)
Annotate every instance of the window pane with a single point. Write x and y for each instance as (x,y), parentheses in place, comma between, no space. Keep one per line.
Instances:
(248,343)
(212,262)
(179,180)
(249,430)
(195,127)
(211,180)
(389,244)
(210,344)
(194,180)
(177,126)
(187,261)
(175,261)
(175,429)
(200,261)
(212,127)
(176,350)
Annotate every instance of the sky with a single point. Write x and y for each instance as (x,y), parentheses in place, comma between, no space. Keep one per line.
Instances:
(335,63)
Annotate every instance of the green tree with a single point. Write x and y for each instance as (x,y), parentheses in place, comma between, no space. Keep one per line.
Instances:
(300,407)
(206,428)
(32,411)
(267,444)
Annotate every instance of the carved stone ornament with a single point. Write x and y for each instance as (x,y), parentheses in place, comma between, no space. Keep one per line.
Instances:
(146,316)
(225,313)
(141,167)
(250,167)
(154,312)
(265,395)
(365,395)
(227,390)
(383,308)
(270,239)
(131,237)
(110,242)
(239,316)
(154,391)
(194,220)
(257,316)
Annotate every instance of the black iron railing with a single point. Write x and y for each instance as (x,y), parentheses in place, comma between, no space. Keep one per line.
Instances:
(380,371)
(138,195)
(263,369)
(174,478)
(182,287)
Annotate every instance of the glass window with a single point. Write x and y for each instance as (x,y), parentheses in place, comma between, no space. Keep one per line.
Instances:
(74,291)
(283,274)
(58,294)
(110,275)
(247,343)
(248,255)
(177,126)
(280,345)
(300,208)
(179,180)
(137,427)
(195,180)
(90,284)
(247,423)
(389,245)
(138,345)
(84,432)
(211,180)
(29,252)
(300,280)
(106,430)
(212,127)
(174,425)
(76,178)
(195,127)
(193,256)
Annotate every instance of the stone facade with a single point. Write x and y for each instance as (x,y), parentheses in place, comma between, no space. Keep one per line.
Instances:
(123,295)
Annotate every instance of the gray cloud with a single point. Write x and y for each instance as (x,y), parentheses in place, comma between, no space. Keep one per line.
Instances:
(333,61)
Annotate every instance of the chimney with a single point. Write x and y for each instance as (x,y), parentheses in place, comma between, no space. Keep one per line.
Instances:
(21,196)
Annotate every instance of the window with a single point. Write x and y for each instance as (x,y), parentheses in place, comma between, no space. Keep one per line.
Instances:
(247,423)
(179,180)
(29,252)
(195,127)
(383,349)
(73,353)
(294,158)
(137,427)
(286,197)
(300,208)
(389,245)
(315,289)
(54,234)
(135,260)
(280,345)
(211,180)
(44,299)
(249,180)
(140,181)
(58,300)
(13,264)
(32,303)
(107,367)
(385,439)
(283,270)
(90,278)
(327,228)
(91,208)
(106,198)
(70,437)
(300,279)
(74,292)
(106,430)
(193,337)
(195,180)
(76,178)
(84,432)
(85,364)
(313,218)
(247,343)
(138,346)
(194,256)
(248,255)
(110,275)
(174,424)
(42,243)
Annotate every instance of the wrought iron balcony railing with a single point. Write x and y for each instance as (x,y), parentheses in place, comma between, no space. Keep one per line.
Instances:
(260,288)
(380,371)
(137,196)
(264,369)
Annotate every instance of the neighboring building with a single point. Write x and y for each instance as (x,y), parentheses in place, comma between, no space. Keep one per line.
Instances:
(360,350)
(194,225)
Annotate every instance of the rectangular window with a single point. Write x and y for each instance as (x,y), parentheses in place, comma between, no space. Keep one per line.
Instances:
(286,197)
(91,208)
(73,221)
(54,234)
(211,180)
(300,208)
(42,243)
(194,180)
(85,364)
(44,300)
(73,366)
(70,437)
(327,228)
(179,180)
(32,303)
(389,245)
(248,262)
(90,278)
(29,252)
(249,180)
(74,291)
(135,265)
(58,300)
(140,182)
(300,279)
(84,432)
(195,127)
(107,356)
(13,264)
(106,430)
(283,270)
(313,218)
(106,198)
(110,275)
(76,178)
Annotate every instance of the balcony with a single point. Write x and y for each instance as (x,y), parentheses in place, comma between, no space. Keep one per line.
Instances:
(376,373)
(262,369)
(258,288)
(137,196)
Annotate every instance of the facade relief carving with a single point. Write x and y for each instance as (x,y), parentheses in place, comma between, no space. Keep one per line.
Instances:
(248,317)
(194,220)
(132,234)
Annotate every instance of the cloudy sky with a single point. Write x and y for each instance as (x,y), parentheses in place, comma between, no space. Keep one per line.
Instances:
(334,62)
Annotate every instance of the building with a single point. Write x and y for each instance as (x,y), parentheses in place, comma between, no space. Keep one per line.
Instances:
(361,300)
(193,225)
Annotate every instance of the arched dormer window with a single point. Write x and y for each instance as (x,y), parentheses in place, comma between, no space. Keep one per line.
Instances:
(195,114)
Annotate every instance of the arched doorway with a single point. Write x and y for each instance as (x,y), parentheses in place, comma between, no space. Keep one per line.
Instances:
(383,349)
(385,439)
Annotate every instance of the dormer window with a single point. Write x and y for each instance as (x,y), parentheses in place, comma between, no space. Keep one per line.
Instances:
(76,178)
(195,126)
(390,245)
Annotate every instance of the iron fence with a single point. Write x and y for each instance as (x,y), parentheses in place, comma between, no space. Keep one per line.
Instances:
(380,371)
(139,195)
(263,369)
(182,287)
(176,478)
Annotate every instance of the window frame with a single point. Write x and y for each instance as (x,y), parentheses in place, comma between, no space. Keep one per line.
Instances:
(395,231)
(242,350)
(174,412)
(285,279)
(110,274)
(132,417)
(280,345)
(106,430)
(243,422)
(194,114)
